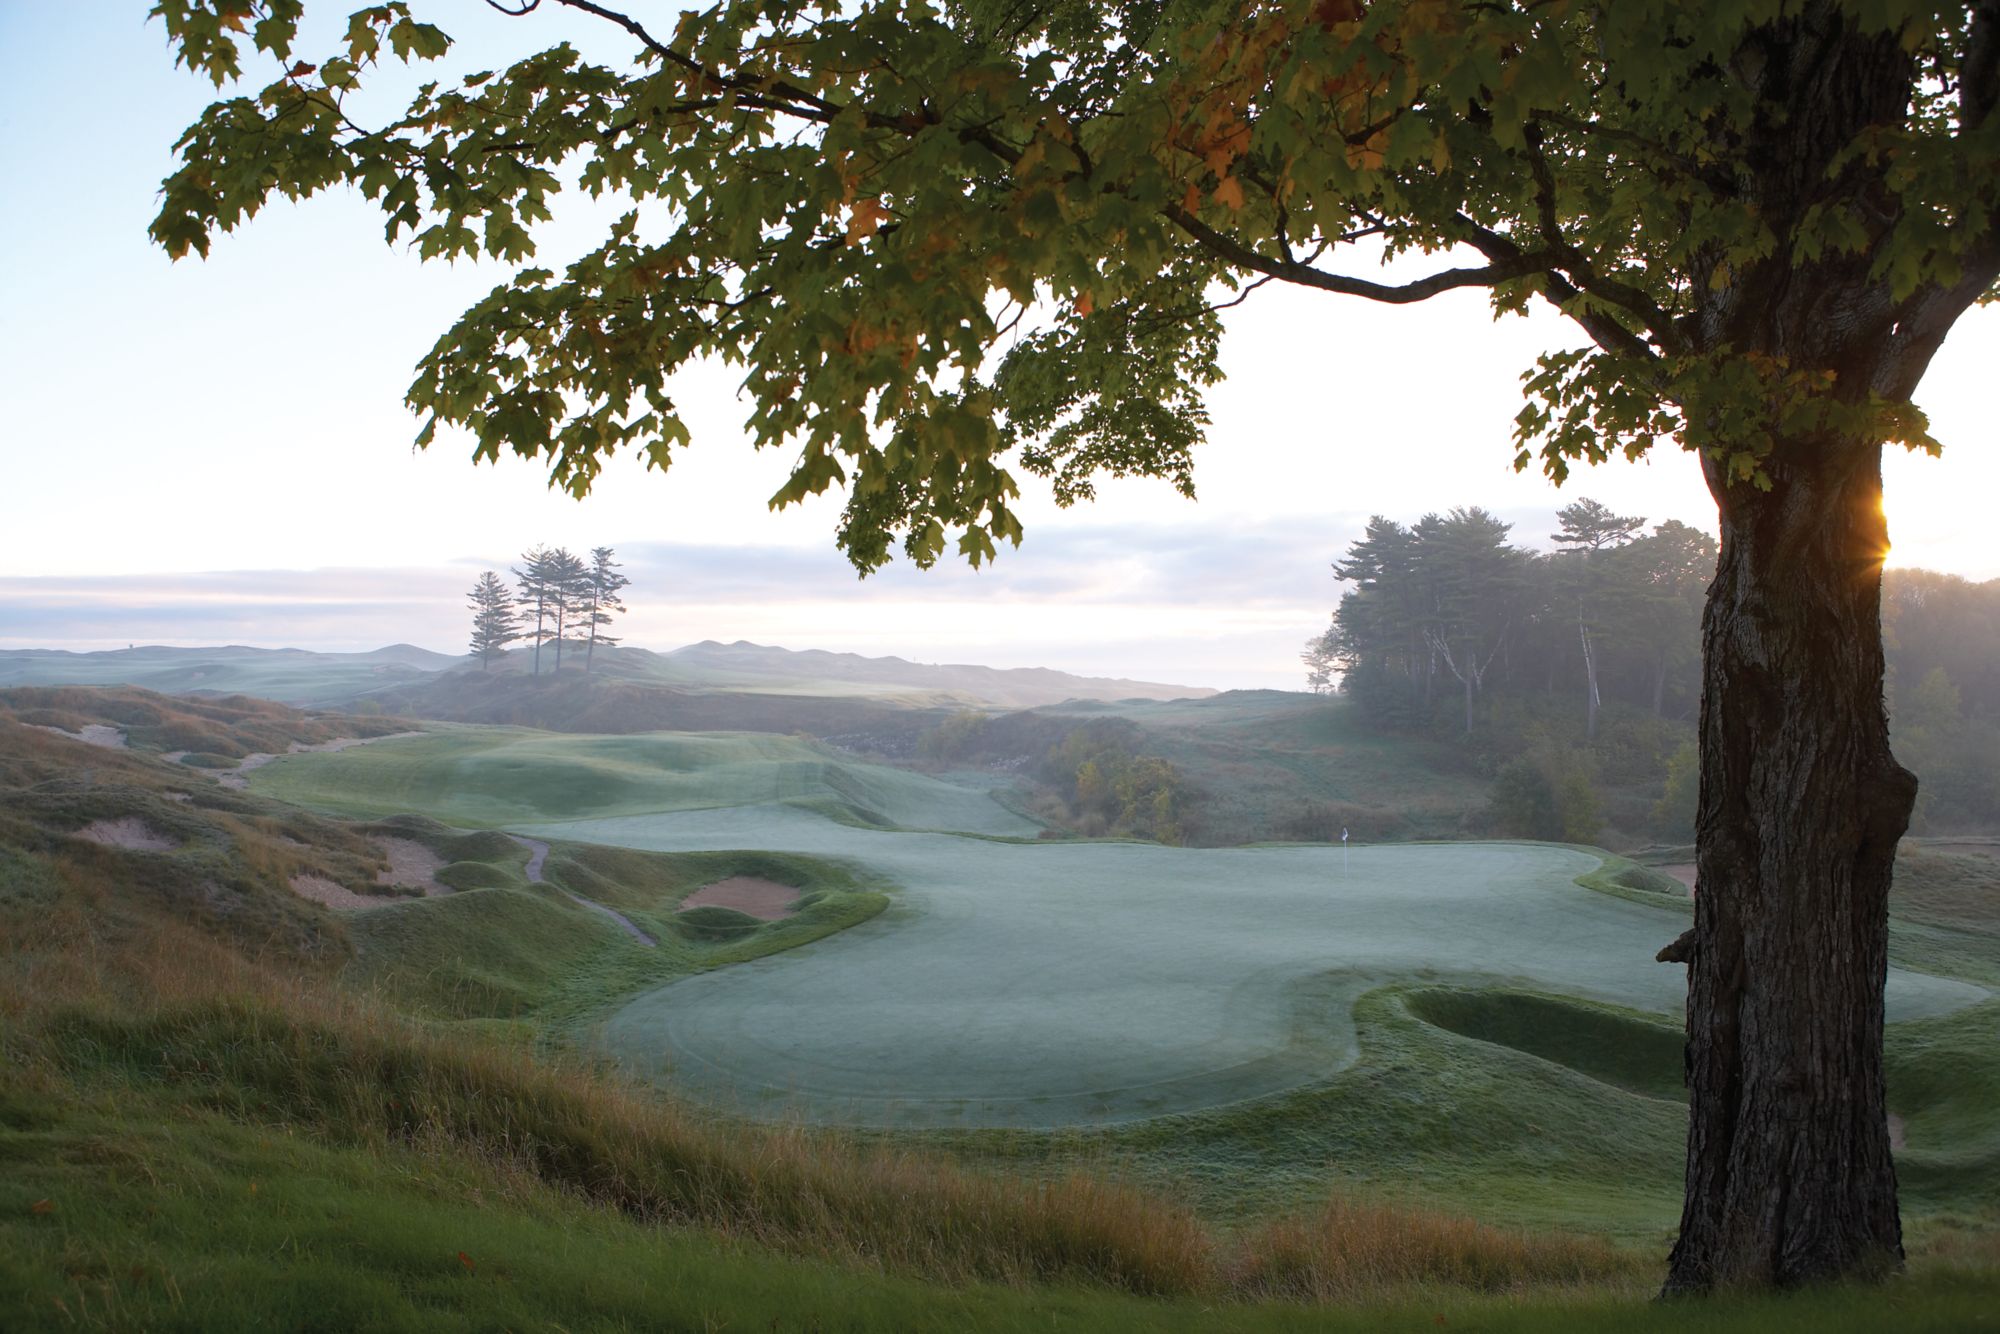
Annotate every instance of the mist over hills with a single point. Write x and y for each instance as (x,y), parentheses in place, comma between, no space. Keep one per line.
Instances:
(402,678)
(293,676)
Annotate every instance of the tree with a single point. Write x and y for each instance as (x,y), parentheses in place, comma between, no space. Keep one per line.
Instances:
(535,576)
(494,622)
(1762,219)
(1588,531)
(1674,564)
(568,586)
(601,599)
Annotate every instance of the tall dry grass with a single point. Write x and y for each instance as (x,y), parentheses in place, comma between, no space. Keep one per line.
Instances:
(1355,1248)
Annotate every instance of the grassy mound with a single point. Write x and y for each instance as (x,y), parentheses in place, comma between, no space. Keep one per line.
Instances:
(1628,1050)
(714,923)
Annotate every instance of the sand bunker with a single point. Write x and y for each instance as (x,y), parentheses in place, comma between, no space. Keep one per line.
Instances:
(746,894)
(1681,871)
(130,833)
(323,891)
(411,866)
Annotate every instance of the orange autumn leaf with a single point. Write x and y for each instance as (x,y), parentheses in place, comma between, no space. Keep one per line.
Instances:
(1191,201)
(466,1260)
(864,219)
(1229,193)
(42,1207)
(1227,147)
(1085,303)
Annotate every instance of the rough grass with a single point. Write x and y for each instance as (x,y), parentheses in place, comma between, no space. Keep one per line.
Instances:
(218,732)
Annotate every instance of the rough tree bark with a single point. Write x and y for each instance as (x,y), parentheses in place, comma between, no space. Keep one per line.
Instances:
(1789,1177)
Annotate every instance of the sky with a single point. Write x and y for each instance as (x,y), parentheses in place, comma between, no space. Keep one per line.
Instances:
(216,451)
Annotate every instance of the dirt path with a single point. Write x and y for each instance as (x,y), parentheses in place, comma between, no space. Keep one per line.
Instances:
(538,853)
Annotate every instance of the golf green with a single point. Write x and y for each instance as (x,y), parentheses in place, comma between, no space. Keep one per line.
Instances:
(1041,985)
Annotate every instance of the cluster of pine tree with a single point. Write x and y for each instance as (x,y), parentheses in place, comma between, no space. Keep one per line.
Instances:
(557,598)
(1447,614)
(1450,630)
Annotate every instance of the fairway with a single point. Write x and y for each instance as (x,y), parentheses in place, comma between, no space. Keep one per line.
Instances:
(1095,983)
(498,776)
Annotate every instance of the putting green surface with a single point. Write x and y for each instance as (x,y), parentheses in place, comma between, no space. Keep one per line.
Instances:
(1040,985)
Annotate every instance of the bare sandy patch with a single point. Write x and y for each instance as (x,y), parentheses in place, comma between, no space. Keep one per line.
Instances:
(130,833)
(411,866)
(1681,871)
(234,778)
(92,734)
(1898,1132)
(324,891)
(746,894)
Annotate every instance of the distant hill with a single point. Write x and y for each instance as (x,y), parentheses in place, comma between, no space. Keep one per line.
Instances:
(747,666)
(395,677)
(293,676)
(607,702)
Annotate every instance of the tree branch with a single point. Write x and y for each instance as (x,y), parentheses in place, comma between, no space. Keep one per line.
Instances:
(1519,265)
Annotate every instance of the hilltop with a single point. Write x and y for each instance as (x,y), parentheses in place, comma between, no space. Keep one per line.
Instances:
(405,679)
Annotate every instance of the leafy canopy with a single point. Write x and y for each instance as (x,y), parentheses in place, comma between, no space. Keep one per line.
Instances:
(947,241)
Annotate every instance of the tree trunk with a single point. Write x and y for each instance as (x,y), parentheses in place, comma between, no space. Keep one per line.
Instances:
(1590,695)
(1789,1177)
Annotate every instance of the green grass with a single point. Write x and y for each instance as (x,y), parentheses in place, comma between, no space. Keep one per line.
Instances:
(228,1166)
(1426,1115)
(496,777)
(1527,1111)
(161,1218)
(1626,1049)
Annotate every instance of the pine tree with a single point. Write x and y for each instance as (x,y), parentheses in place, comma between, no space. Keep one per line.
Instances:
(1589,530)
(605,582)
(534,577)
(569,586)
(494,621)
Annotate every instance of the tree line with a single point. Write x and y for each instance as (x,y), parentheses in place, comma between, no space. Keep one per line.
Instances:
(557,598)
(1451,630)
(1446,614)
